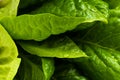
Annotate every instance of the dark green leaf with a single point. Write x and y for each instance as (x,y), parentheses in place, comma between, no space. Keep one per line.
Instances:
(35,68)
(90,9)
(66,71)
(30,68)
(113,3)
(28,3)
(101,43)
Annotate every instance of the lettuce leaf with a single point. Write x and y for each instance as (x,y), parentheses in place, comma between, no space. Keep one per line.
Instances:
(55,46)
(96,10)
(102,63)
(48,67)
(113,3)
(30,69)
(101,44)
(10,9)
(67,71)
(41,26)
(9,62)
(35,68)
(90,9)
(95,50)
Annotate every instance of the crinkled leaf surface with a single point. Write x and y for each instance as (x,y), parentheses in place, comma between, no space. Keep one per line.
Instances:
(41,26)
(10,9)
(9,62)
(103,63)
(90,9)
(101,43)
(96,10)
(55,46)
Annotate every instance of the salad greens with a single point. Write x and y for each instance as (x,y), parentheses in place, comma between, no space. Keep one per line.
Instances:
(59,40)
(91,9)
(10,9)
(9,62)
(40,26)
(67,72)
(31,64)
(62,47)
(4,2)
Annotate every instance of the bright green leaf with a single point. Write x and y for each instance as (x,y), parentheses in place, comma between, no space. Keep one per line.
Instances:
(48,67)
(55,46)
(9,62)
(10,9)
(41,26)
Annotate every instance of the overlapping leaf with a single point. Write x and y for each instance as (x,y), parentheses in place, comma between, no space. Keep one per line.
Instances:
(9,62)
(60,47)
(101,43)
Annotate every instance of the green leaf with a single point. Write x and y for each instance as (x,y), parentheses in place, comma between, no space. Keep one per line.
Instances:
(9,70)
(9,62)
(96,10)
(41,26)
(4,3)
(101,44)
(48,67)
(67,71)
(115,12)
(55,46)
(35,68)
(30,68)
(8,49)
(103,63)
(10,9)
(113,3)
(90,9)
